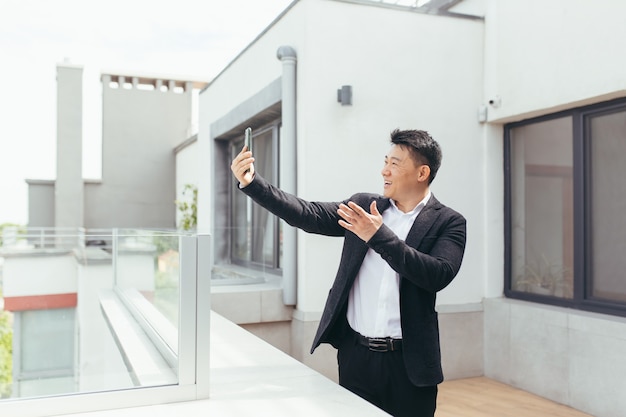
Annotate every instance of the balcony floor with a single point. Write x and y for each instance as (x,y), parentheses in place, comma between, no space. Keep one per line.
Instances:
(484,397)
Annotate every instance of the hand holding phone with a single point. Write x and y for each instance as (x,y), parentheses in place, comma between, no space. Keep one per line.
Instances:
(248,139)
(242,165)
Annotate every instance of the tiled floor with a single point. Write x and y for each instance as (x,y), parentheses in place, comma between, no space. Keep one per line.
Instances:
(484,397)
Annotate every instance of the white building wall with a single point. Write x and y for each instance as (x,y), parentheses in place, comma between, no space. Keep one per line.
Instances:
(408,71)
(394,65)
(136,270)
(187,172)
(40,275)
(255,68)
(552,55)
(100,364)
(205,159)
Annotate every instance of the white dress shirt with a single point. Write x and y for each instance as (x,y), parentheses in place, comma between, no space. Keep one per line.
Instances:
(374,302)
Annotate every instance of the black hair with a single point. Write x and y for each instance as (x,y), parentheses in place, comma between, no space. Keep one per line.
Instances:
(423,148)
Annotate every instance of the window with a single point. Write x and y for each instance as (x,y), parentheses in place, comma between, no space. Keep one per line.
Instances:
(565,204)
(541,207)
(44,368)
(254,231)
(606,146)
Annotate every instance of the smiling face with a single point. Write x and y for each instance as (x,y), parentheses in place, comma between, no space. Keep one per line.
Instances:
(405,182)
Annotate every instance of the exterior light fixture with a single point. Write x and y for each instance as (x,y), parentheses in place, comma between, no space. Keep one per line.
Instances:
(344,95)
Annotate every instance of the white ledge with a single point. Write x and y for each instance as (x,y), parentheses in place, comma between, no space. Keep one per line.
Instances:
(249,377)
(145,364)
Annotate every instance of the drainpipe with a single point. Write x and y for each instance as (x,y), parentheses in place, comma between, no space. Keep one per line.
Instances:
(287,168)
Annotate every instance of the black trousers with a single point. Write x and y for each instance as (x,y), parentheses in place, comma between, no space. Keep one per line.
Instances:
(381,379)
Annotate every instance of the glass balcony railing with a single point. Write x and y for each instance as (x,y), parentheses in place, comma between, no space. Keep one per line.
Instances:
(100,314)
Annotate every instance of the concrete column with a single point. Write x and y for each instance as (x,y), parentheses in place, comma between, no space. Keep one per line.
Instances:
(69,199)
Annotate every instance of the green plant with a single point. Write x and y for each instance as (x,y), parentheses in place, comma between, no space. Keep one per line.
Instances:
(6,353)
(20,230)
(188,208)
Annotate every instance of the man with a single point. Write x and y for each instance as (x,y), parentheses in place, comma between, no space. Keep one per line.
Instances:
(399,250)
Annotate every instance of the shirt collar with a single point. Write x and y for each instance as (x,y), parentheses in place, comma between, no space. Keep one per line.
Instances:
(416,209)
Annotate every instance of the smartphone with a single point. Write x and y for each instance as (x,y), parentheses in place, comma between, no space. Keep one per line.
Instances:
(248,138)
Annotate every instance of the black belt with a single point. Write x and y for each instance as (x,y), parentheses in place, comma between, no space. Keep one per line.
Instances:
(380,344)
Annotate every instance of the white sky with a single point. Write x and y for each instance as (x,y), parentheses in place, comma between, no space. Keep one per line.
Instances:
(191,38)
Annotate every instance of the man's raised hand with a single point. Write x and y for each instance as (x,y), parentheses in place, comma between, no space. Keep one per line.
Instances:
(358,221)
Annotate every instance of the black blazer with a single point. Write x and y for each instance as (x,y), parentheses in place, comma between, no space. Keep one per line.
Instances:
(426,261)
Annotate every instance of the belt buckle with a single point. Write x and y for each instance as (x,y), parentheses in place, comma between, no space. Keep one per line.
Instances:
(378,345)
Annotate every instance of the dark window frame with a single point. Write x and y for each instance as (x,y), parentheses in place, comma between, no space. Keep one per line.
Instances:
(275,127)
(582,181)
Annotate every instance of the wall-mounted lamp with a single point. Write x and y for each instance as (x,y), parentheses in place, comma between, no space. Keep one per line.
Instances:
(344,95)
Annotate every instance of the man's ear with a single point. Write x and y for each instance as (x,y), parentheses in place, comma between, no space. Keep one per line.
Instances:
(423,173)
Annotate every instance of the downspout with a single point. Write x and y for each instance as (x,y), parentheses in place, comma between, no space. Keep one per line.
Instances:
(287,168)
